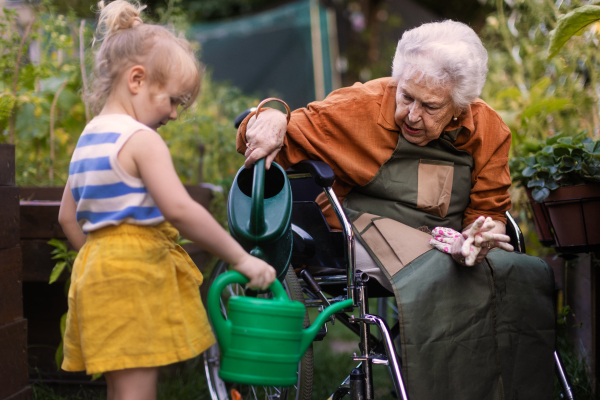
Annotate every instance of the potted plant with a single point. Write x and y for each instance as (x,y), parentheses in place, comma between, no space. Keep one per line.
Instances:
(562,177)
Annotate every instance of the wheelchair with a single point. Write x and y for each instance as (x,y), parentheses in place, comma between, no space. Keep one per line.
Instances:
(329,275)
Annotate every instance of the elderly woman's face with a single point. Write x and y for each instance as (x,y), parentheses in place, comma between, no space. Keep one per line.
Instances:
(422,111)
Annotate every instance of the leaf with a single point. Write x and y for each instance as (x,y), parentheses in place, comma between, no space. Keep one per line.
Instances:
(568,161)
(529,161)
(593,147)
(97,376)
(56,271)
(546,161)
(536,183)
(58,356)
(548,105)
(561,151)
(63,324)
(548,150)
(529,171)
(569,24)
(566,140)
(552,185)
(59,244)
(539,194)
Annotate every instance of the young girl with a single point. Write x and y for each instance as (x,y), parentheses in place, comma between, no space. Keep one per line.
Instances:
(134,301)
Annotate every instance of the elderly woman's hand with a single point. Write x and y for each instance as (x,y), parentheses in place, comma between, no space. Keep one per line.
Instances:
(484,234)
(264,136)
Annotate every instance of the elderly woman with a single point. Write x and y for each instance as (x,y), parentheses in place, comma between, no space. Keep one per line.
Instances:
(411,153)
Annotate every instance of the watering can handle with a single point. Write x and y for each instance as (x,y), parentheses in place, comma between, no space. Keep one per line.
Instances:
(257,212)
(265,101)
(222,326)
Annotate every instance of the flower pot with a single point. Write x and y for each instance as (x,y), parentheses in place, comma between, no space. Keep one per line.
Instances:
(574,214)
(541,220)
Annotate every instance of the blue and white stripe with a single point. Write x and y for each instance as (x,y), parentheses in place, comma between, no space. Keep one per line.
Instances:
(105,194)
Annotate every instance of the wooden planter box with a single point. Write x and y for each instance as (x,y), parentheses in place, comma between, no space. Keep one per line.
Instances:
(13,327)
(569,217)
(44,304)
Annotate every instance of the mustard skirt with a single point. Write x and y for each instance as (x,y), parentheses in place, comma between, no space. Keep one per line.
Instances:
(134,302)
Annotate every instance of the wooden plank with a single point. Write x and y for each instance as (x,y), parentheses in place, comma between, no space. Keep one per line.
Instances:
(7,165)
(37,261)
(9,216)
(53,193)
(23,394)
(13,358)
(40,222)
(11,296)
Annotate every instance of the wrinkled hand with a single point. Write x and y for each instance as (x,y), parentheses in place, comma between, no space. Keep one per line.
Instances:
(476,242)
(264,136)
(260,274)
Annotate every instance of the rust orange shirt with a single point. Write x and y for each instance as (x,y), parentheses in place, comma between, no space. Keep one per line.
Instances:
(354,131)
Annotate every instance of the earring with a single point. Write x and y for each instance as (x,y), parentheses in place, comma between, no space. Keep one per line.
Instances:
(455,119)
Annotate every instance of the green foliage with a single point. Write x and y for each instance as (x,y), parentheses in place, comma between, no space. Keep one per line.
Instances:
(67,258)
(572,23)
(37,70)
(558,161)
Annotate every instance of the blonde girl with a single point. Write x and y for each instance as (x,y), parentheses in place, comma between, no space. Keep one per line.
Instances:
(134,302)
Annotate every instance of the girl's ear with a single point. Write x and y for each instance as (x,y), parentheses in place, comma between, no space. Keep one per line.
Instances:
(136,78)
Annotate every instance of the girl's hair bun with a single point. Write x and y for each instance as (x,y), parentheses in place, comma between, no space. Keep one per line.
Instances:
(117,15)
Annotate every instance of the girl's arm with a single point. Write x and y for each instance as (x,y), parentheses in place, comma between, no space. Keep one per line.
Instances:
(155,166)
(68,220)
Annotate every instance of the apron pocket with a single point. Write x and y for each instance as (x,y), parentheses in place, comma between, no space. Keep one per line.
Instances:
(435,186)
(393,243)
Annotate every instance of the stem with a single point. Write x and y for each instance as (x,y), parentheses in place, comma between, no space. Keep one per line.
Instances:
(13,117)
(52,108)
(82,65)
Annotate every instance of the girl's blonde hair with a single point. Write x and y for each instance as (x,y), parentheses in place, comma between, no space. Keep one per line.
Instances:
(127,41)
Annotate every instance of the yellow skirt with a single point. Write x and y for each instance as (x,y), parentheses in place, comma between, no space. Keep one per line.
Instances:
(134,302)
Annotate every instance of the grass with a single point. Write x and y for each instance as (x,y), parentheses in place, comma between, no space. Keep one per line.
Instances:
(184,382)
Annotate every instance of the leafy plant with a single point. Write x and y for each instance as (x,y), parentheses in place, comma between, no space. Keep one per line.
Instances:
(67,258)
(570,24)
(558,161)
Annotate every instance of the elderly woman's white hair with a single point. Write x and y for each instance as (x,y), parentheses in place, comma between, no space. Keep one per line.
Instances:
(442,53)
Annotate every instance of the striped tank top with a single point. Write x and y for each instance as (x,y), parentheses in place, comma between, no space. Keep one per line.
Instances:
(105,194)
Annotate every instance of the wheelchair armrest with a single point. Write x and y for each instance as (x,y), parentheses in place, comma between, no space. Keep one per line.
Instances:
(319,170)
(514,232)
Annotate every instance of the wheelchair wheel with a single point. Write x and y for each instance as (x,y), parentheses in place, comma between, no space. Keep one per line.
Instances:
(221,390)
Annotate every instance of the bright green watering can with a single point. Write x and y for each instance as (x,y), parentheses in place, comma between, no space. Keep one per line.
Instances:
(259,211)
(263,340)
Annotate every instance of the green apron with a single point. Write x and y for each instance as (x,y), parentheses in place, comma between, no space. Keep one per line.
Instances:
(469,333)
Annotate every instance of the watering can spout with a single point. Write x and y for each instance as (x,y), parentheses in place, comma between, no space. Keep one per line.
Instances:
(309,333)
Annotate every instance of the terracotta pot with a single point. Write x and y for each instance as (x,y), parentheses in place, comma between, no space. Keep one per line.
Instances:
(541,220)
(574,213)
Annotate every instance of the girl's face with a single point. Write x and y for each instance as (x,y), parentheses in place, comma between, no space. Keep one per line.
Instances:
(158,105)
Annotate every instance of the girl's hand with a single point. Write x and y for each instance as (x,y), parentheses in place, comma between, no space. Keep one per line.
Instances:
(265,136)
(260,273)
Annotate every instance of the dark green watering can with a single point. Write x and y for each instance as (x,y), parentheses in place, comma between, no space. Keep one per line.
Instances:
(259,211)
(263,340)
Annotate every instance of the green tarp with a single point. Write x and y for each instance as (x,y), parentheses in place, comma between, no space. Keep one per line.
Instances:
(285,52)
